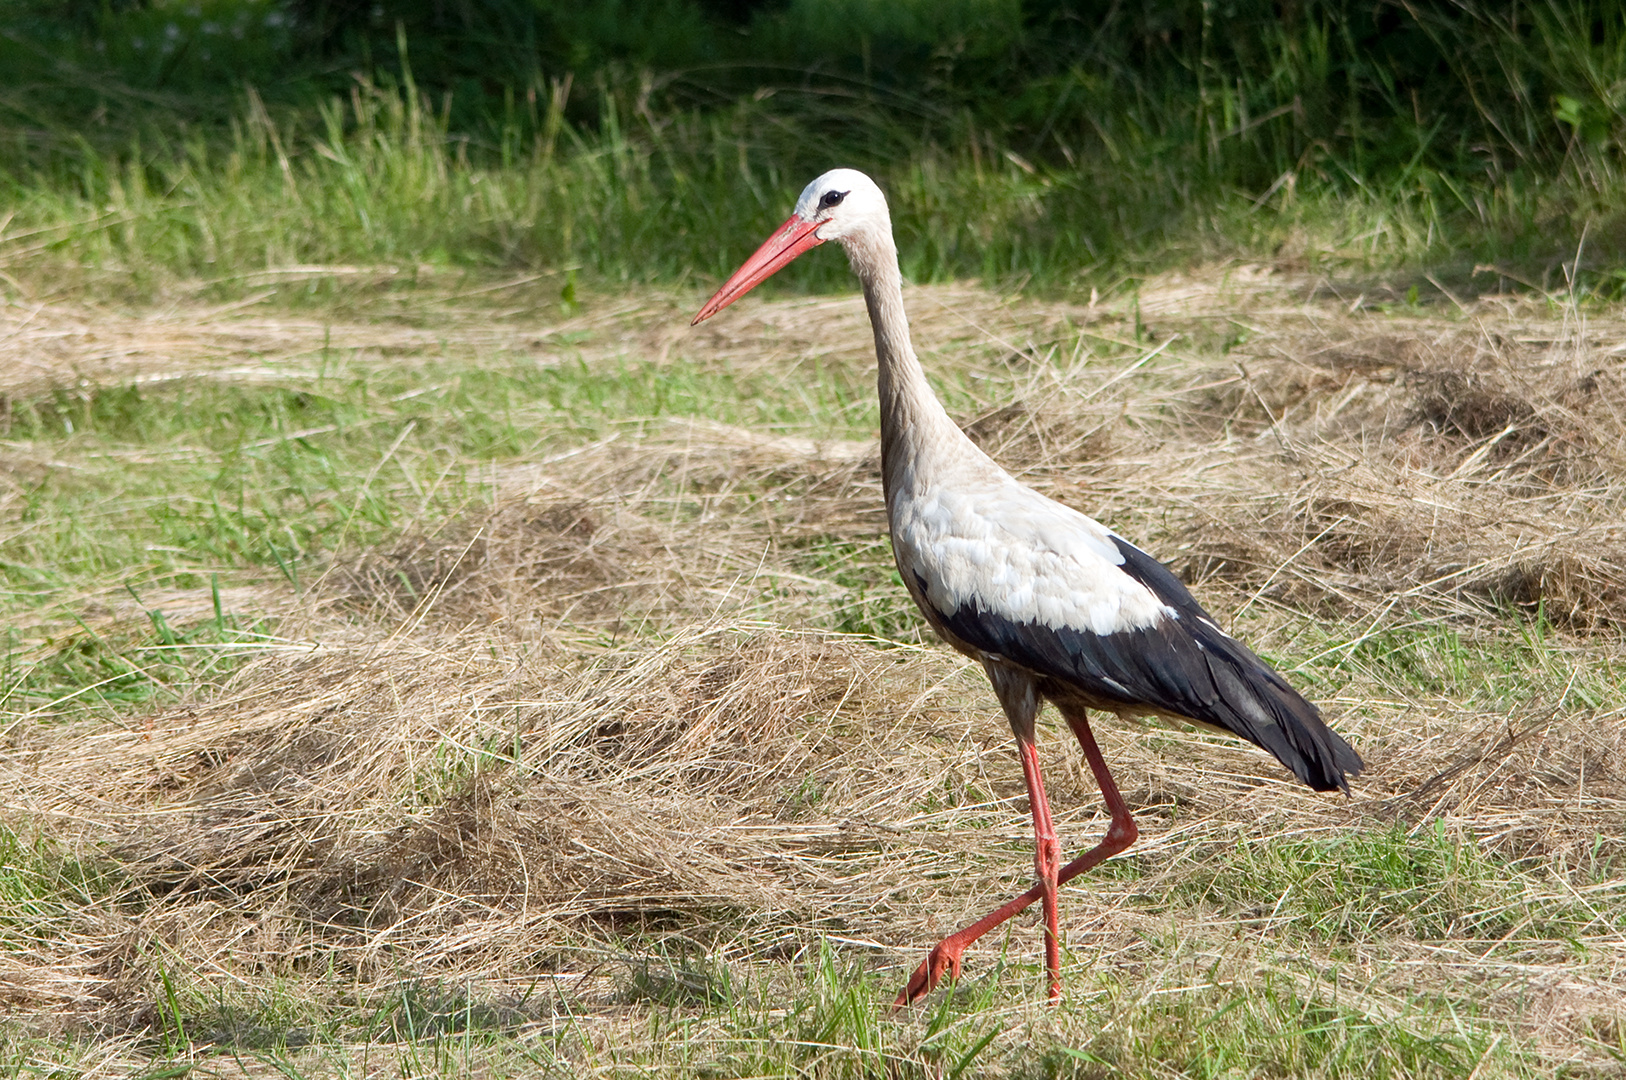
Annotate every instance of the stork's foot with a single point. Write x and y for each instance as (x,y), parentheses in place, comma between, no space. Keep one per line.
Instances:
(944,959)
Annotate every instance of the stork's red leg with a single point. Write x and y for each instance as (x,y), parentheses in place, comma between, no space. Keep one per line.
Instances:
(1046,862)
(944,958)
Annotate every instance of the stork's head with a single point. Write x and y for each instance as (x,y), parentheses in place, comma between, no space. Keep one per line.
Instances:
(843,205)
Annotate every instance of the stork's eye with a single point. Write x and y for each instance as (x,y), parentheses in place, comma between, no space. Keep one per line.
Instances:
(831,198)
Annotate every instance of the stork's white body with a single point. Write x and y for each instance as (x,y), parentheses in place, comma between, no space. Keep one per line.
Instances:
(967,533)
(1056,606)
(960,523)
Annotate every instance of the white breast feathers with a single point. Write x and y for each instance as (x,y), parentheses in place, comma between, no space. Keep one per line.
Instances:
(1008,551)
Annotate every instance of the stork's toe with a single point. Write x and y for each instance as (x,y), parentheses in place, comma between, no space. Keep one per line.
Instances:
(944,959)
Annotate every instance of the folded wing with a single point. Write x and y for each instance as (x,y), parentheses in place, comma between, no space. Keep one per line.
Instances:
(1095,613)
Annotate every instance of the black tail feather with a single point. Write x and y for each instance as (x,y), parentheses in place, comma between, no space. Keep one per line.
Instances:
(1241,693)
(1257,703)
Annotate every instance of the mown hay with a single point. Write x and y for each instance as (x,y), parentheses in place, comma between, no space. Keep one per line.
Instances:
(424,806)
(1437,470)
(601,718)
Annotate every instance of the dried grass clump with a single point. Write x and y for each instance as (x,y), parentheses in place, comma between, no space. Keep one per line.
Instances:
(1525,420)
(620,537)
(1048,435)
(1467,472)
(1473,405)
(1380,531)
(445,806)
(575,561)
(1536,785)
(430,803)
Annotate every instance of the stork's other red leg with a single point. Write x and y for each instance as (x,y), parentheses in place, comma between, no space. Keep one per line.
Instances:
(944,959)
(1122,831)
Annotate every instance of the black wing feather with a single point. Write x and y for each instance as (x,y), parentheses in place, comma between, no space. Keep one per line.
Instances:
(1183,666)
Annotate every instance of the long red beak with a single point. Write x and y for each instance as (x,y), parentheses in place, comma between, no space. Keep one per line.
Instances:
(788,241)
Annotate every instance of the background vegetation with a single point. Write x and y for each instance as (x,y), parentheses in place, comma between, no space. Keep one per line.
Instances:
(645,139)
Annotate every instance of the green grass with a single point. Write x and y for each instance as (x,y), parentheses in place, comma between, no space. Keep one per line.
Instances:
(820,1019)
(77,668)
(42,883)
(213,476)
(875,603)
(828,401)
(198,474)
(1523,659)
(1050,150)
(1413,884)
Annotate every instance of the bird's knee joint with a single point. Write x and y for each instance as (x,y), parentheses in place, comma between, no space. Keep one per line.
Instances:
(1047,857)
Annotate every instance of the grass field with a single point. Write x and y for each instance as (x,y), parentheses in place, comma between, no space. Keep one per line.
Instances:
(453,678)
(425,655)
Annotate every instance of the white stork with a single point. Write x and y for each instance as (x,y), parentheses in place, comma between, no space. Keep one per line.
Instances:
(1055,606)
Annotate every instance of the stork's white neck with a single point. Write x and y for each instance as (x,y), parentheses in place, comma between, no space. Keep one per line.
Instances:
(916,431)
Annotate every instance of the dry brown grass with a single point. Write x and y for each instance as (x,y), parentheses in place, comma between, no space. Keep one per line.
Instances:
(62,344)
(600,718)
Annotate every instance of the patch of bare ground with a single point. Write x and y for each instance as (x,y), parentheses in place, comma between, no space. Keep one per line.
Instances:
(597,713)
